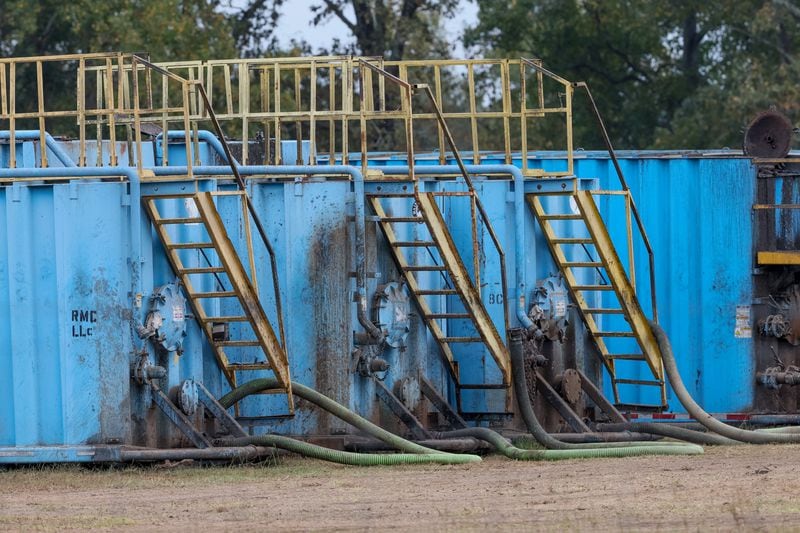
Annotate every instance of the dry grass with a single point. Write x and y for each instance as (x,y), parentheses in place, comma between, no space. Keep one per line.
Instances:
(744,487)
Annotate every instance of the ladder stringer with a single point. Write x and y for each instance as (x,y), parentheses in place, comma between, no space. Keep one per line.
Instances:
(569,277)
(619,279)
(242,289)
(247,294)
(415,290)
(463,284)
(177,267)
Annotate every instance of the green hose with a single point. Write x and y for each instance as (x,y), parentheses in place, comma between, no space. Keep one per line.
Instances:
(342,412)
(503,446)
(620,449)
(697,412)
(349,458)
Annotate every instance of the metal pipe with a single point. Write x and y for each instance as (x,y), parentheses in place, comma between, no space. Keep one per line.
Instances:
(360,214)
(226,453)
(35,135)
(202,135)
(520,252)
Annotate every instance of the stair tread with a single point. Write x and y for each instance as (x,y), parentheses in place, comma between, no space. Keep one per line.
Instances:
(409,244)
(572,264)
(645,407)
(179,220)
(238,343)
(627,356)
(560,216)
(225,319)
(593,287)
(218,294)
(647,382)
(604,311)
(250,366)
(462,339)
(401,219)
(202,270)
(190,245)
(624,334)
(572,240)
(436,292)
(425,268)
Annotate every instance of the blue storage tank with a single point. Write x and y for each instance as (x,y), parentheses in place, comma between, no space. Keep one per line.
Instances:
(78,265)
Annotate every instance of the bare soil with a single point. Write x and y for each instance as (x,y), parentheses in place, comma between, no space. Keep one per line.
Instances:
(746,487)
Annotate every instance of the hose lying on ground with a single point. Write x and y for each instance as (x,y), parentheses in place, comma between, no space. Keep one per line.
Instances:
(335,408)
(785,429)
(688,435)
(697,412)
(541,435)
(351,458)
(592,450)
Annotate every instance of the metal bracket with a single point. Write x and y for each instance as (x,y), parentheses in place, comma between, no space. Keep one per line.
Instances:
(178,418)
(563,408)
(219,411)
(401,411)
(427,389)
(600,401)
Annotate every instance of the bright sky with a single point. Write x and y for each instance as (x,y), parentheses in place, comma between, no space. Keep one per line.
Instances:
(295,23)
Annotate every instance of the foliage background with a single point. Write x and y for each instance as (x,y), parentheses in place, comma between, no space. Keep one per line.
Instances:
(666,74)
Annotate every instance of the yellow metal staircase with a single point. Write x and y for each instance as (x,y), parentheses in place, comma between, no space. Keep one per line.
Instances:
(421,244)
(242,341)
(581,245)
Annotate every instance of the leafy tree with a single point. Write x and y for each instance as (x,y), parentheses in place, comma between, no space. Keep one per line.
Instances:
(392,29)
(666,74)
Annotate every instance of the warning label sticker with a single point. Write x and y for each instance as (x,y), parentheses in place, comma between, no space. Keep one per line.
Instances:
(177,313)
(742,330)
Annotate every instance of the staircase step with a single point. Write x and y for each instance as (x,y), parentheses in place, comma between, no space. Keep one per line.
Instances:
(170,221)
(572,240)
(621,334)
(449,315)
(412,244)
(436,292)
(424,268)
(573,264)
(202,270)
(219,294)
(626,356)
(243,367)
(646,382)
(190,245)
(465,340)
(402,219)
(604,311)
(593,287)
(238,343)
(225,319)
(561,216)
(639,407)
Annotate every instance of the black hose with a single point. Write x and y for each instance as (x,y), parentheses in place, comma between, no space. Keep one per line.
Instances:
(502,445)
(697,412)
(526,409)
(688,435)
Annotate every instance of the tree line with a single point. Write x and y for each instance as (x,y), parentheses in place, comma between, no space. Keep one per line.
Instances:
(666,74)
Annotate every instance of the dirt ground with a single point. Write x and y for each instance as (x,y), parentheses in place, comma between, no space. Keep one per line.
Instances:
(745,487)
